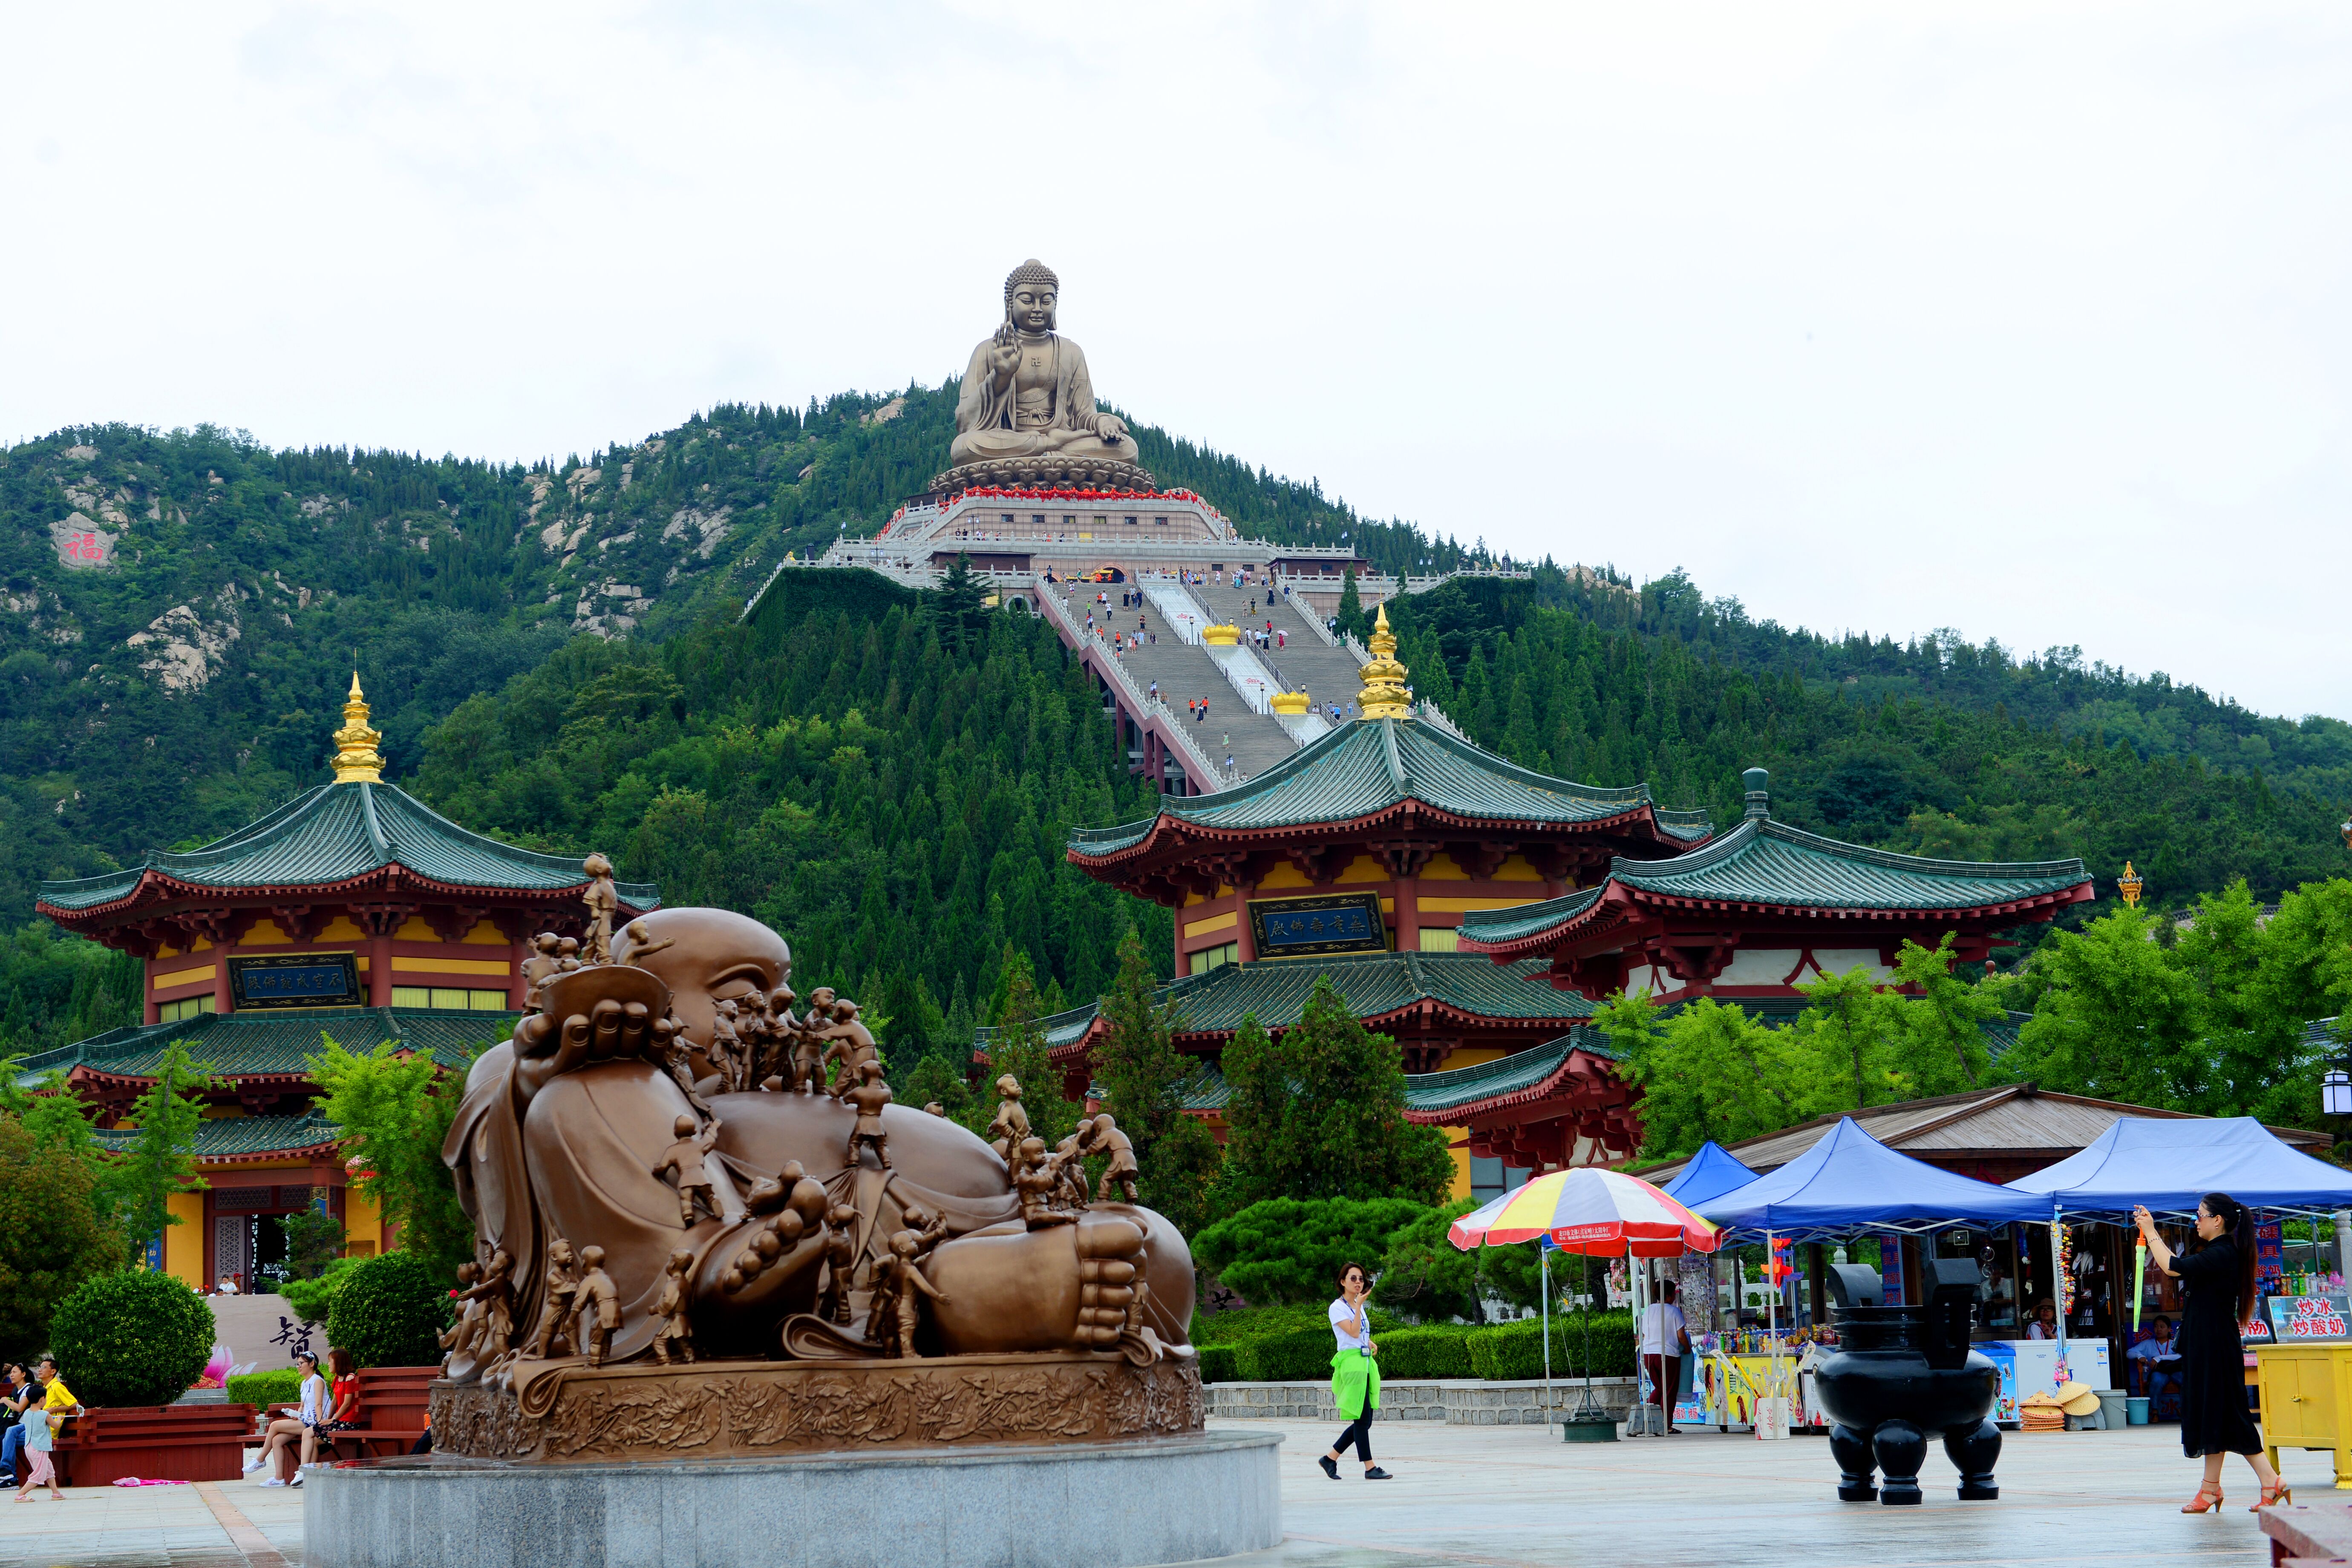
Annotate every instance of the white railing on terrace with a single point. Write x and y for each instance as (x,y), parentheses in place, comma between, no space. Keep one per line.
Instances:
(1183,614)
(1250,680)
(1427,709)
(1198,768)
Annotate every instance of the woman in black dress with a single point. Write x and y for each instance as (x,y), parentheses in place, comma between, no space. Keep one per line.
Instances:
(2220,1281)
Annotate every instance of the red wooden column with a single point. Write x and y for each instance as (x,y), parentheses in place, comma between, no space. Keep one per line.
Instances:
(379,949)
(153,1013)
(1408,913)
(1246,949)
(223,1000)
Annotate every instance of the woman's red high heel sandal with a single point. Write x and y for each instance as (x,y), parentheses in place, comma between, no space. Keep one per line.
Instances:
(2279,1493)
(2207,1500)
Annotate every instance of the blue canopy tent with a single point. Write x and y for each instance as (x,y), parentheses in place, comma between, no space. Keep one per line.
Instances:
(1711,1173)
(2169,1162)
(1850,1183)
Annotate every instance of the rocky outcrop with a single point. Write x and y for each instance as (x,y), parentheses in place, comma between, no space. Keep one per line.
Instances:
(185,649)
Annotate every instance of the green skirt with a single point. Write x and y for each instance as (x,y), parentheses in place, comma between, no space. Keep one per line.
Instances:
(1355,1381)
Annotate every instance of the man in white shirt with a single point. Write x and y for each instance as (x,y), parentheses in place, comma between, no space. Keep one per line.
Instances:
(1663,1339)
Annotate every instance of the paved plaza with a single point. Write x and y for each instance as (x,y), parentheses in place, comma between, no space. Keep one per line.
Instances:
(1474,1495)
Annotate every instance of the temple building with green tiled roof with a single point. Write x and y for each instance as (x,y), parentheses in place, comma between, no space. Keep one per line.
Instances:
(1380,836)
(353,912)
(1763,910)
(1395,857)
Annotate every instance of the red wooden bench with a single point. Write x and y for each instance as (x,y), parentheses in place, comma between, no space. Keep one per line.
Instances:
(395,1408)
(2314,1533)
(158,1442)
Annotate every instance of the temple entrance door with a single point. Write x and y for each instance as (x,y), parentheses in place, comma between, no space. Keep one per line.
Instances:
(232,1254)
(267,1252)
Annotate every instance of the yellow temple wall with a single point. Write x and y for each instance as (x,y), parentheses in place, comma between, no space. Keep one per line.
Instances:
(184,1243)
(363,1224)
(1459,1138)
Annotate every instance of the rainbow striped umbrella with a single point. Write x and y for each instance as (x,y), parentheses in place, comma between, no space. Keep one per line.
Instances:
(1602,1214)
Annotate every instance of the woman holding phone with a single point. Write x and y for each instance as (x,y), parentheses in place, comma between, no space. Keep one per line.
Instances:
(2220,1277)
(1355,1374)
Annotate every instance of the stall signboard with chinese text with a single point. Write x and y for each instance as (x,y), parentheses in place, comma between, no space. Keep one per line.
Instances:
(2306,1318)
(2270,1257)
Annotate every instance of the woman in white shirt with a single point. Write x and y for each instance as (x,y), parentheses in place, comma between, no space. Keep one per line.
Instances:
(1355,1374)
(286,1430)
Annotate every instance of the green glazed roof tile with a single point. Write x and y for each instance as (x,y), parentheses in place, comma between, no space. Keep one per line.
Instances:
(1373,984)
(1430,1092)
(1762,862)
(218,1137)
(1370,766)
(339,833)
(259,1045)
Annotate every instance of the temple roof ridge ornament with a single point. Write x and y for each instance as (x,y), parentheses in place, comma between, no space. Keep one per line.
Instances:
(356,759)
(1383,695)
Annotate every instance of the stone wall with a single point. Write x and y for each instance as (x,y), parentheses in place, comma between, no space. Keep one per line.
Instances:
(1457,1402)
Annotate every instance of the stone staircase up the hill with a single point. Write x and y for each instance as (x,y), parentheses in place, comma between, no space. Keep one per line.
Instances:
(1185,672)
(1327,674)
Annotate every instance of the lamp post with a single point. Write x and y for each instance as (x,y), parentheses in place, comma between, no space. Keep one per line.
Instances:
(2129,885)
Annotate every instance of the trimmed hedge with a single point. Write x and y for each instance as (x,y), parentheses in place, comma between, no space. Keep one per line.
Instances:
(1302,1355)
(1264,1323)
(263,1389)
(390,1312)
(1514,1351)
(1217,1364)
(131,1338)
(1440,1351)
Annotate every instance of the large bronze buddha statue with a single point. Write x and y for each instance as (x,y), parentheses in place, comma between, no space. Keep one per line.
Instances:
(1027,411)
(571,1131)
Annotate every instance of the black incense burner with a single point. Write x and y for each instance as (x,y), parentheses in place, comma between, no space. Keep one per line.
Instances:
(1901,1375)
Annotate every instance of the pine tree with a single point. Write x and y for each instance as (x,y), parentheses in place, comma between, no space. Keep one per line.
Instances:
(161,1157)
(1137,1069)
(1320,1113)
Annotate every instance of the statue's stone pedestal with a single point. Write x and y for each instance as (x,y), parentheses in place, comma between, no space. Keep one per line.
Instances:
(568,1411)
(1105,1505)
(1047,472)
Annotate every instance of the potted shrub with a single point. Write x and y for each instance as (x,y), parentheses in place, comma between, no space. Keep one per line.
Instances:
(128,1343)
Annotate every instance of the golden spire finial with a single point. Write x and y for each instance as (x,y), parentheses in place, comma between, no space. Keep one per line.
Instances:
(1383,695)
(356,759)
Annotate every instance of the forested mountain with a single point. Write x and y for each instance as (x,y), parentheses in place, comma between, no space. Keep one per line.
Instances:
(550,651)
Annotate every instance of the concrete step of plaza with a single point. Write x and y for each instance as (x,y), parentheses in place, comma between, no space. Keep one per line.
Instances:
(1457,1402)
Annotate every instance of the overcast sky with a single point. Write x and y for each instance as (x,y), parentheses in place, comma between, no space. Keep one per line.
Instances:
(2029,321)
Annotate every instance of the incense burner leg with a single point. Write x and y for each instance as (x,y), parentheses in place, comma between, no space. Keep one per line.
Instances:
(1857,1470)
(1973,1453)
(1901,1448)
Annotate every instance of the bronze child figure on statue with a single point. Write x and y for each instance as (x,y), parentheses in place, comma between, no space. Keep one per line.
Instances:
(808,1035)
(840,1261)
(685,1157)
(1011,1122)
(595,1308)
(557,1308)
(895,1312)
(1034,1180)
(1121,1173)
(603,900)
(853,1045)
(867,1098)
(670,1325)
(458,1338)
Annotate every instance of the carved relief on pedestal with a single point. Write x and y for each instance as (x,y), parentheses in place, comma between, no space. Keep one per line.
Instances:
(720,1409)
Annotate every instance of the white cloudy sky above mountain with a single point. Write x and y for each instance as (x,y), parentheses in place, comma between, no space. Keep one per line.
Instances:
(2026,320)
